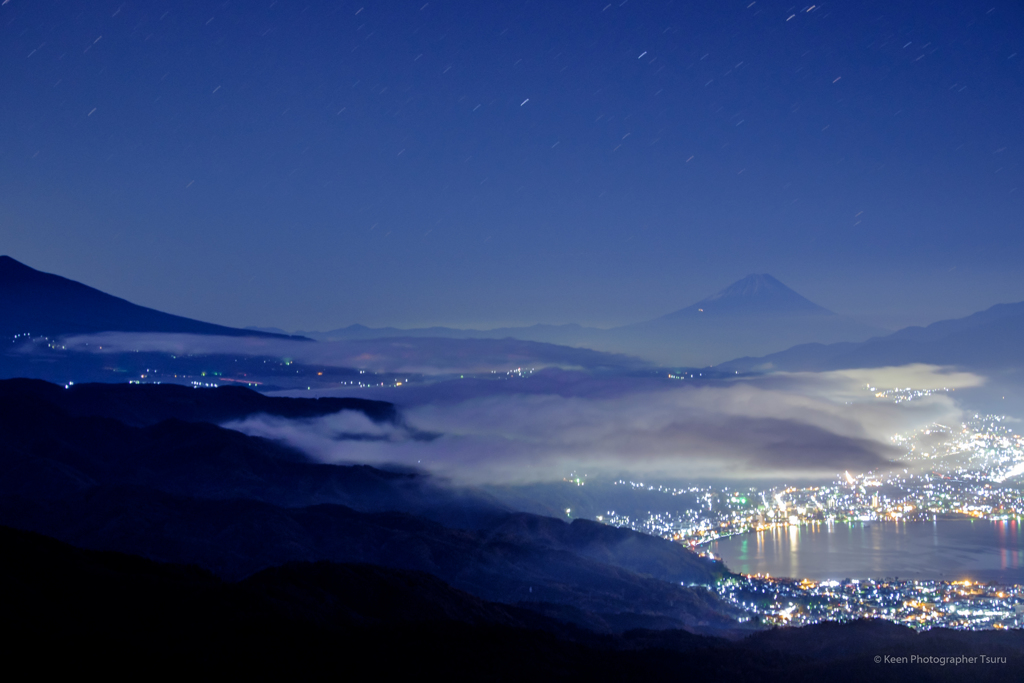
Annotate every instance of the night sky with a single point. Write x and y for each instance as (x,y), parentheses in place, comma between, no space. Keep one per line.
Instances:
(312,165)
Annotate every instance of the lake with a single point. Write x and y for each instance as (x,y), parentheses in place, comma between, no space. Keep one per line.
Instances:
(947,549)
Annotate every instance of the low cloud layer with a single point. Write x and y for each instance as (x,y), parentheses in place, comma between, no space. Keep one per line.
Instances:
(586,411)
(412,355)
(788,427)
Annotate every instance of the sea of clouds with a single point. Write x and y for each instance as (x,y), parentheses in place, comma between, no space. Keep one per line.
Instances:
(540,428)
(585,411)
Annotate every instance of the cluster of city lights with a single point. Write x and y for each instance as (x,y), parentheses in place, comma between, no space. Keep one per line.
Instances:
(918,604)
(969,470)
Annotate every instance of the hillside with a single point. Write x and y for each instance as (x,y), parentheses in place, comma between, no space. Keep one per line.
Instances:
(123,613)
(196,493)
(37,303)
(987,340)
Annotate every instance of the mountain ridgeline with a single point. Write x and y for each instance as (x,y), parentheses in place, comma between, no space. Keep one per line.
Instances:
(117,468)
(754,324)
(754,315)
(143,405)
(37,303)
(754,295)
(755,312)
(987,340)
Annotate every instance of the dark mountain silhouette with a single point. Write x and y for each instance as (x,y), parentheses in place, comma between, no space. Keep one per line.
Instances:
(235,538)
(37,303)
(58,441)
(753,295)
(123,613)
(141,405)
(753,315)
(757,312)
(193,492)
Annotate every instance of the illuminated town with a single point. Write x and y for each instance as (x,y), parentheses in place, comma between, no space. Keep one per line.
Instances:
(963,471)
(919,604)
(968,471)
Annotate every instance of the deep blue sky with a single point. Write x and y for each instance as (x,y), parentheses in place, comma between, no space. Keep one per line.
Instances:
(310,165)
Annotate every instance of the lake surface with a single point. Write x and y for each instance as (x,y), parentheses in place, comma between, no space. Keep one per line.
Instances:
(947,549)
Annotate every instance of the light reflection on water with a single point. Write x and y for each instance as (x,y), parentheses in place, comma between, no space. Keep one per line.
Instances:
(948,549)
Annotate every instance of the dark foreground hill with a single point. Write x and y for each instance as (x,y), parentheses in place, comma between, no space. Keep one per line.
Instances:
(37,303)
(142,405)
(194,492)
(70,611)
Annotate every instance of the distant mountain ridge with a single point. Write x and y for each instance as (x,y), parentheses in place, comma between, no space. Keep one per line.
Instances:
(989,339)
(751,316)
(39,303)
(754,316)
